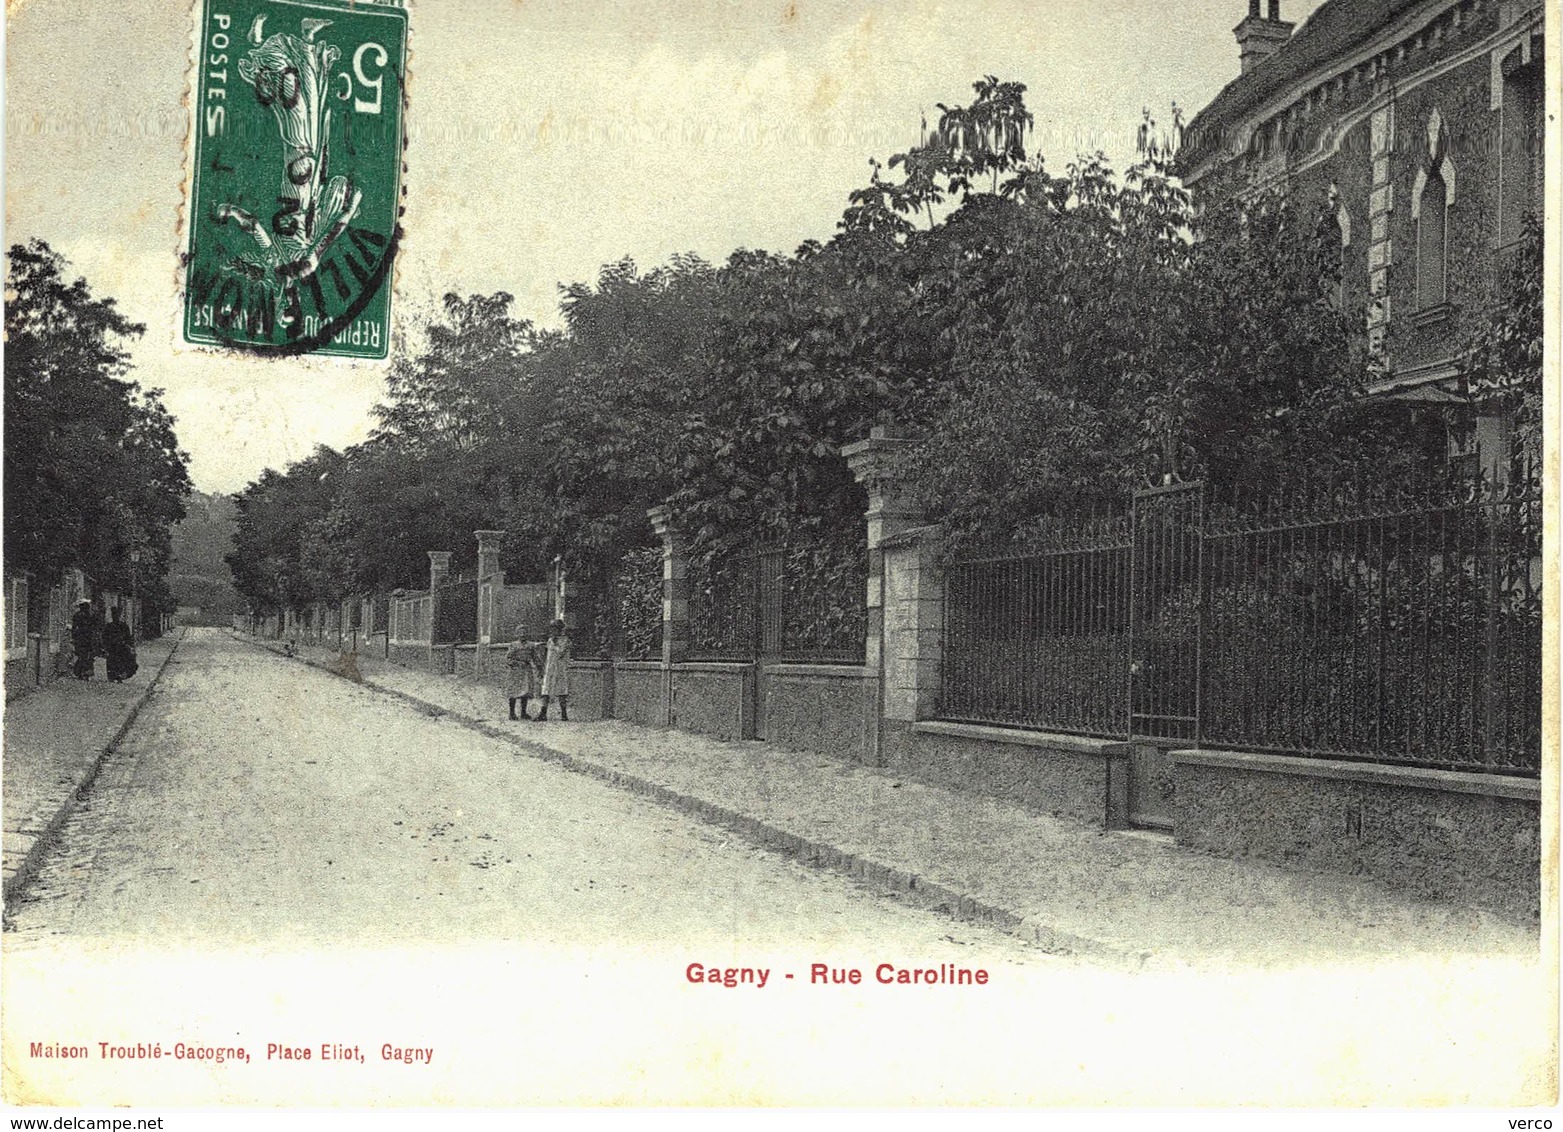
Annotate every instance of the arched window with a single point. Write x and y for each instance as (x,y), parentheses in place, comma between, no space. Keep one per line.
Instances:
(1432,242)
(1431,198)
(1521,177)
(1334,237)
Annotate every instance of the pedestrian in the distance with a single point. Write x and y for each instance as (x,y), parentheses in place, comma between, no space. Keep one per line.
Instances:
(523,672)
(119,647)
(556,672)
(84,632)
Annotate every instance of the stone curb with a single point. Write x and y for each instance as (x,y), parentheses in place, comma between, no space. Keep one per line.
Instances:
(43,842)
(924,892)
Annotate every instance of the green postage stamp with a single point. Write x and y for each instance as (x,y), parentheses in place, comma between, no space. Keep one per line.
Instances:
(296,176)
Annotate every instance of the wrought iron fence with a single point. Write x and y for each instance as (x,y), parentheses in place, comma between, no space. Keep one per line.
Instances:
(589,610)
(56,617)
(723,600)
(456,613)
(1042,638)
(822,592)
(797,601)
(520,612)
(1165,563)
(409,618)
(616,608)
(1393,625)
(637,596)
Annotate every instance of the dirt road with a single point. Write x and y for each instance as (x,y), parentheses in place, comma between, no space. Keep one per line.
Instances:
(279,860)
(260,801)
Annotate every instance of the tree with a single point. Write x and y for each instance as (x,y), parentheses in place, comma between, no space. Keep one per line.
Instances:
(94,476)
(459,433)
(1054,338)
(1099,336)
(983,140)
(459,391)
(277,515)
(1502,356)
(620,386)
(198,576)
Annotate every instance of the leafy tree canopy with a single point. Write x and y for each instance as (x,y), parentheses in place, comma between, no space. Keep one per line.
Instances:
(1052,337)
(1503,355)
(94,476)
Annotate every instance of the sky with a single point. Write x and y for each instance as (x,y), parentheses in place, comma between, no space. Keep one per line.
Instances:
(547,137)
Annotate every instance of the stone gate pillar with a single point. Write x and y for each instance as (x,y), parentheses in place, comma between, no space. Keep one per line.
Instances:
(393,621)
(439,568)
(488,552)
(675,587)
(675,602)
(567,595)
(491,583)
(905,595)
(439,571)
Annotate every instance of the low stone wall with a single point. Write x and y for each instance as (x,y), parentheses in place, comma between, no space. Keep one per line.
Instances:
(375,645)
(38,666)
(1474,838)
(55,662)
(591,689)
(829,708)
(713,698)
(639,692)
(1064,775)
(409,655)
(20,671)
(464,661)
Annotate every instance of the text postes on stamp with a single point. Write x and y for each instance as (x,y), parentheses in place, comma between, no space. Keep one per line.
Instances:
(296,179)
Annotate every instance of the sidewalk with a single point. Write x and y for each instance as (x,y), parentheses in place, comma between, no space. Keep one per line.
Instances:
(1125,897)
(55,739)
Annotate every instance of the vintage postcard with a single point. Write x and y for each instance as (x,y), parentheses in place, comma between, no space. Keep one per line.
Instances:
(779,553)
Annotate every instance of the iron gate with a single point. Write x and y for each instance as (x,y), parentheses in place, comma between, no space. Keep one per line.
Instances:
(1166,604)
(1166,610)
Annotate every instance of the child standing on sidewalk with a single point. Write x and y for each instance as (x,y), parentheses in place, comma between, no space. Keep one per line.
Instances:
(523,668)
(556,672)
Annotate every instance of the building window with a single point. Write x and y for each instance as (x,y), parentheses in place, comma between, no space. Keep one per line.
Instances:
(1333,237)
(1431,198)
(1520,167)
(1431,242)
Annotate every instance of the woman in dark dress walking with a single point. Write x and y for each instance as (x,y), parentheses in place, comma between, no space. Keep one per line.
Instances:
(84,640)
(120,649)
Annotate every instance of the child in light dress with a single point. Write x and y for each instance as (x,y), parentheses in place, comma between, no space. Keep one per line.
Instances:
(556,672)
(523,673)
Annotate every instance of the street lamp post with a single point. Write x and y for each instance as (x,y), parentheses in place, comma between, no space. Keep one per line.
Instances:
(135,602)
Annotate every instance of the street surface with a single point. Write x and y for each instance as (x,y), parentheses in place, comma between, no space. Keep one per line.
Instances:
(258,800)
(276,858)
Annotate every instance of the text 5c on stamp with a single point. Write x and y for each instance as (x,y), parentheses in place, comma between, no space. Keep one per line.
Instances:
(297,176)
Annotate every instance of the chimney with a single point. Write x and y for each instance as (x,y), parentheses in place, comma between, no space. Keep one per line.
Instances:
(1259,37)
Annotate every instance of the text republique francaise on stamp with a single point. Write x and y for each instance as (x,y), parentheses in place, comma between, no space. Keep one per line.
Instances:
(294,191)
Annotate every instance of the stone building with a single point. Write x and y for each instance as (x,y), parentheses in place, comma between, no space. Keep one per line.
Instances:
(1413,129)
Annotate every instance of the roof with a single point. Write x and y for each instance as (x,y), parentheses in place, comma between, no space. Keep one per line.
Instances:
(1331,32)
